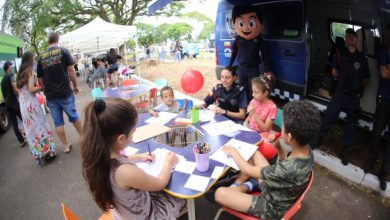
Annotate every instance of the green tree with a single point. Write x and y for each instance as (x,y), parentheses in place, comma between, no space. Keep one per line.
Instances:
(198,16)
(32,20)
(207,30)
(131,44)
(178,30)
(145,34)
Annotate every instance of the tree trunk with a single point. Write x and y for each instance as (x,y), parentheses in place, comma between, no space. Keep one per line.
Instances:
(4,20)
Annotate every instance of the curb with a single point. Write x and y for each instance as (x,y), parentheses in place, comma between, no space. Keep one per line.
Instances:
(351,172)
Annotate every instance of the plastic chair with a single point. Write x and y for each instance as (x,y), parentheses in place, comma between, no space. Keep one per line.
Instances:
(128,82)
(151,101)
(290,212)
(279,118)
(185,104)
(96,93)
(69,215)
(161,83)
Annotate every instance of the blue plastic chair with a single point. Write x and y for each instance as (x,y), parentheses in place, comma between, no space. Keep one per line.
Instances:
(182,103)
(279,118)
(96,93)
(161,83)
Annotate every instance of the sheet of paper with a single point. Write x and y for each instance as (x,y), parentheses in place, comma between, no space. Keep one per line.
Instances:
(185,167)
(246,151)
(148,131)
(206,115)
(198,183)
(243,128)
(162,119)
(217,172)
(154,168)
(220,128)
(130,150)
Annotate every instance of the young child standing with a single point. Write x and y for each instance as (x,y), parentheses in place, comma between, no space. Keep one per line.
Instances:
(282,183)
(114,180)
(169,103)
(262,110)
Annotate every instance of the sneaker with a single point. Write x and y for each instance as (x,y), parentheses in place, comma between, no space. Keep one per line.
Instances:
(252,184)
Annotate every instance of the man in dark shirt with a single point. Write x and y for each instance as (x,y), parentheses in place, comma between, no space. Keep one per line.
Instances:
(55,66)
(352,74)
(10,93)
(382,113)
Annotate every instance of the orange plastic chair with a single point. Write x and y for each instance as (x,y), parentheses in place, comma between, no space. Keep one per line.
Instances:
(128,82)
(69,215)
(290,212)
(151,101)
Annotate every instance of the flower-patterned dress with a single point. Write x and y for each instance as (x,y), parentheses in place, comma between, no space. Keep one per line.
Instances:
(39,136)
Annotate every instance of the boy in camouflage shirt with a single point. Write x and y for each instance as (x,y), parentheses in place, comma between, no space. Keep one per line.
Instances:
(282,183)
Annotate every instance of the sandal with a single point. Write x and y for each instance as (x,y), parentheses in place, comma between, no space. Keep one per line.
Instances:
(67,150)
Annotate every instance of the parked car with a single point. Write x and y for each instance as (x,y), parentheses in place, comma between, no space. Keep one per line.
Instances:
(190,50)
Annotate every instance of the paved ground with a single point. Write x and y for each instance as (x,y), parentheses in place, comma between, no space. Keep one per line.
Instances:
(28,191)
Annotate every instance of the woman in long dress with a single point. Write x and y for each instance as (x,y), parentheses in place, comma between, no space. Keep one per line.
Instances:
(39,136)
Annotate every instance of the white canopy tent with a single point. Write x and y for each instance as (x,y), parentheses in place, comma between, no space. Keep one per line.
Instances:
(97,35)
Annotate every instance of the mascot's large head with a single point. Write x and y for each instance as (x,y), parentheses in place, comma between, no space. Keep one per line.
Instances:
(247,21)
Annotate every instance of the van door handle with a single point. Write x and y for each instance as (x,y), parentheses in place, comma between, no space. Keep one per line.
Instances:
(289,53)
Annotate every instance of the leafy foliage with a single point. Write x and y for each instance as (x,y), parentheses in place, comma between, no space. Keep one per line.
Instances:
(33,20)
(178,30)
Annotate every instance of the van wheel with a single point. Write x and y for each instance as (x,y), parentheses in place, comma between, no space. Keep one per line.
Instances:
(4,120)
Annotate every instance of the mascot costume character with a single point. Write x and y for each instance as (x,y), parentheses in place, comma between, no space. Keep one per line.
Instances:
(248,45)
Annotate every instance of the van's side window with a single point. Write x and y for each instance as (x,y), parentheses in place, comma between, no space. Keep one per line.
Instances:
(367,37)
(283,21)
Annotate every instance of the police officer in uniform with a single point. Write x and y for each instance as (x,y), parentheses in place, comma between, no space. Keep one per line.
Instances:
(352,74)
(382,114)
(230,98)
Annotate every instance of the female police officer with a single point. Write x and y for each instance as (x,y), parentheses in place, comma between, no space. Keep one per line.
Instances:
(230,98)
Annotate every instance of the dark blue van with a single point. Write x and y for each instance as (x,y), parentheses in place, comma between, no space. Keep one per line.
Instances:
(301,37)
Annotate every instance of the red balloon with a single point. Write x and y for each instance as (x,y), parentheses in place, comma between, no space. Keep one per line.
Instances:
(266,148)
(192,81)
(40,98)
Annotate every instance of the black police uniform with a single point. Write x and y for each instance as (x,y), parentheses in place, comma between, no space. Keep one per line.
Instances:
(248,56)
(352,71)
(231,100)
(11,103)
(382,118)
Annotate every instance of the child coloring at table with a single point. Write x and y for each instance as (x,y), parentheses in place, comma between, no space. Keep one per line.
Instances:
(262,110)
(283,182)
(113,179)
(169,103)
